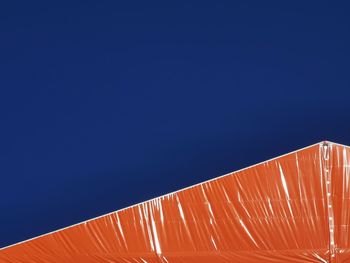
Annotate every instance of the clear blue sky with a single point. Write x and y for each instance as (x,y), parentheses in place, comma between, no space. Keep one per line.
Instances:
(105,104)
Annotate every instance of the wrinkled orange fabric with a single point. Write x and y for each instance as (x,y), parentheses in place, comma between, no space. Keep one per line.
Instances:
(294,208)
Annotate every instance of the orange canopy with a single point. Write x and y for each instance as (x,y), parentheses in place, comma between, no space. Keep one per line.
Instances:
(294,208)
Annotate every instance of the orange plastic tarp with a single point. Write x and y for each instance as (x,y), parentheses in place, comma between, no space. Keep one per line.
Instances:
(294,208)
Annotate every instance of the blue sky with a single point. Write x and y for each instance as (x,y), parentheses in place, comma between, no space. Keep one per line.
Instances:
(104,104)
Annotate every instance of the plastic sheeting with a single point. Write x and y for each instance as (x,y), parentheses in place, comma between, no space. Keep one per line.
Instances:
(294,208)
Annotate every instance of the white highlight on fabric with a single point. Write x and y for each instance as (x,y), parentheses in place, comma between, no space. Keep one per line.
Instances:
(247,231)
(284,183)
